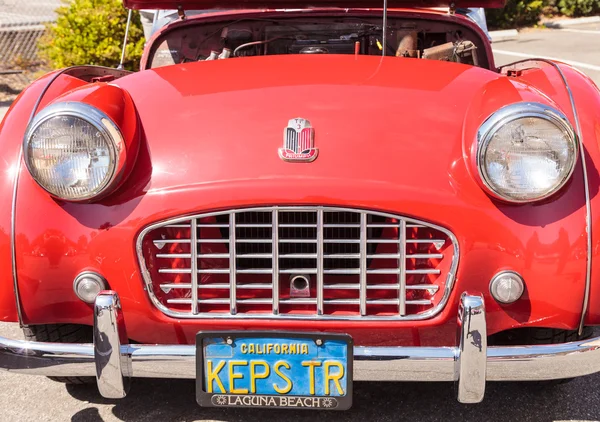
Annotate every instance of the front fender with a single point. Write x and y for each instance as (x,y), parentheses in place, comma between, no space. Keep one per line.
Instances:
(12,130)
(586,97)
(587,102)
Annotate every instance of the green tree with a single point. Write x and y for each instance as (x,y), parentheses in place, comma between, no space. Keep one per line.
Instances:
(579,7)
(515,14)
(92,32)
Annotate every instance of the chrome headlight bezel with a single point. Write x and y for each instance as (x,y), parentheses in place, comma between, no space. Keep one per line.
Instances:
(101,122)
(508,114)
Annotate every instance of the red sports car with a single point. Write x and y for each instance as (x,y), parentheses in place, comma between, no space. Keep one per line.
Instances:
(342,194)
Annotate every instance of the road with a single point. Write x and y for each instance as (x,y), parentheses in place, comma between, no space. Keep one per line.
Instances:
(25,398)
(579,46)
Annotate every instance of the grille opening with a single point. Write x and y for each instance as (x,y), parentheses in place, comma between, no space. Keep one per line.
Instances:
(359,254)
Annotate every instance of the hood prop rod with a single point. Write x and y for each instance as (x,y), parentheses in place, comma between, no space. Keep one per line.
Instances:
(384,34)
(120,66)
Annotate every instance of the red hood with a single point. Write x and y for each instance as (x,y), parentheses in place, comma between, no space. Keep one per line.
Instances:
(220,120)
(295,4)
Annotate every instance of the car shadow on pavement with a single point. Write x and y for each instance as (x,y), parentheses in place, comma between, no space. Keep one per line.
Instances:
(174,400)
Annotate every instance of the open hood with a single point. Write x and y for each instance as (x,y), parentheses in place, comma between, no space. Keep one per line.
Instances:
(300,4)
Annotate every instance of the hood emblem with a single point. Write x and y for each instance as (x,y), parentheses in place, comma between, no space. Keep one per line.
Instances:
(298,142)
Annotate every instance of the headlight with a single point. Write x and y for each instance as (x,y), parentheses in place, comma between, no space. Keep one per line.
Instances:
(526,152)
(74,151)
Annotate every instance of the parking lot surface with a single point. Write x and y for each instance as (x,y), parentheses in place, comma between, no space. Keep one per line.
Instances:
(578,45)
(26,398)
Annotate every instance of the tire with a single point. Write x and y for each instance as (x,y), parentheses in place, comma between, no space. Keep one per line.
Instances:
(62,333)
(530,336)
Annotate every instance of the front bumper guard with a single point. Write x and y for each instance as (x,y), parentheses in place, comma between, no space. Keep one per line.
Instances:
(471,364)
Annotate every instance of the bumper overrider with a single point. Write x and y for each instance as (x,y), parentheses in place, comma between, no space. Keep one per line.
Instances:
(470,364)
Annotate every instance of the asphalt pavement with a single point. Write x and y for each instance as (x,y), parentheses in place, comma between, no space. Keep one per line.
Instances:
(27,398)
(577,45)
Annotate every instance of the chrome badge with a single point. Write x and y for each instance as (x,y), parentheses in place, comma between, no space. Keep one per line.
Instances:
(298,142)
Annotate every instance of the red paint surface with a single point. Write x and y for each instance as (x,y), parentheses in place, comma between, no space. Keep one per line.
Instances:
(295,4)
(12,129)
(393,135)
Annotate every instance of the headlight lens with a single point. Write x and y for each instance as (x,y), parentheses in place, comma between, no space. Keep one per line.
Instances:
(73,150)
(526,152)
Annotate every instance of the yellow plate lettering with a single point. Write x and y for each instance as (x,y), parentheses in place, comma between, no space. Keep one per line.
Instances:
(233,376)
(288,387)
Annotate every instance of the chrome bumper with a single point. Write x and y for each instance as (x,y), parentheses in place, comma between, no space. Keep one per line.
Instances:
(471,364)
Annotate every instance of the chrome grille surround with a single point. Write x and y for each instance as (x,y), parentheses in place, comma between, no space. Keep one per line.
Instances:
(248,250)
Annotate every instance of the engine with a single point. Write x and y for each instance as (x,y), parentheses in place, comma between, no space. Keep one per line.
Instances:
(349,35)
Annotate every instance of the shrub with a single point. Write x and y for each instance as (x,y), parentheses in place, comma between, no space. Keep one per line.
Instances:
(516,13)
(578,7)
(92,32)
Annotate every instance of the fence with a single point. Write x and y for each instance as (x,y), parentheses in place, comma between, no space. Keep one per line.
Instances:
(22,23)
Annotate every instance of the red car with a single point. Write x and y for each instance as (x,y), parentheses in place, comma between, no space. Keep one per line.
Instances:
(343,194)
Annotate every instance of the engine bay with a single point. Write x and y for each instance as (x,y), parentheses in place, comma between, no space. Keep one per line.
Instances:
(360,35)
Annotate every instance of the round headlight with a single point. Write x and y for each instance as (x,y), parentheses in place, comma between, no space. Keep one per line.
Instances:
(74,151)
(526,152)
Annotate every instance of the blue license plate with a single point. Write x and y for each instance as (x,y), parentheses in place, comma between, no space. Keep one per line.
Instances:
(284,370)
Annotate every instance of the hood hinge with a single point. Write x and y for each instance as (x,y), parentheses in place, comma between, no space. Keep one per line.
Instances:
(452,8)
(181,12)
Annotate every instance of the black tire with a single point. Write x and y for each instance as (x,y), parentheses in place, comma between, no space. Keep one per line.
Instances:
(62,333)
(533,335)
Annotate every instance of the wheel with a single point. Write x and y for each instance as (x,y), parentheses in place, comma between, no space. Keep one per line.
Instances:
(62,333)
(533,335)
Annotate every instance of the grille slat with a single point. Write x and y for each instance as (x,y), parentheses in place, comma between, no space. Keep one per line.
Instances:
(173,255)
(320,258)
(175,271)
(194,265)
(232,266)
(240,263)
(402,268)
(275,261)
(363,264)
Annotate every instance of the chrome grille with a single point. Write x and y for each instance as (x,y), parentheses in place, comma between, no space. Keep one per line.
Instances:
(239,263)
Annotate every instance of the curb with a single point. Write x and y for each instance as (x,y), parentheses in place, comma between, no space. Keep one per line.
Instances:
(572,22)
(507,35)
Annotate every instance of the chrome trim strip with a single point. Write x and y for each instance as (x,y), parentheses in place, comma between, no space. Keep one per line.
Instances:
(586,185)
(402,268)
(232,265)
(363,264)
(320,254)
(113,367)
(275,260)
(13,217)
(450,277)
(471,357)
(194,264)
(588,206)
(13,238)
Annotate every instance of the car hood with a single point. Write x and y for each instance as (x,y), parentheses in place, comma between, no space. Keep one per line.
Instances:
(374,119)
(296,4)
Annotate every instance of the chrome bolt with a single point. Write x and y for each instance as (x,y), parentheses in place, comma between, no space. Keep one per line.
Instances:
(319,342)
(229,340)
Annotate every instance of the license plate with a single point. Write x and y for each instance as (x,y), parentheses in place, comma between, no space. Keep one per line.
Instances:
(282,370)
